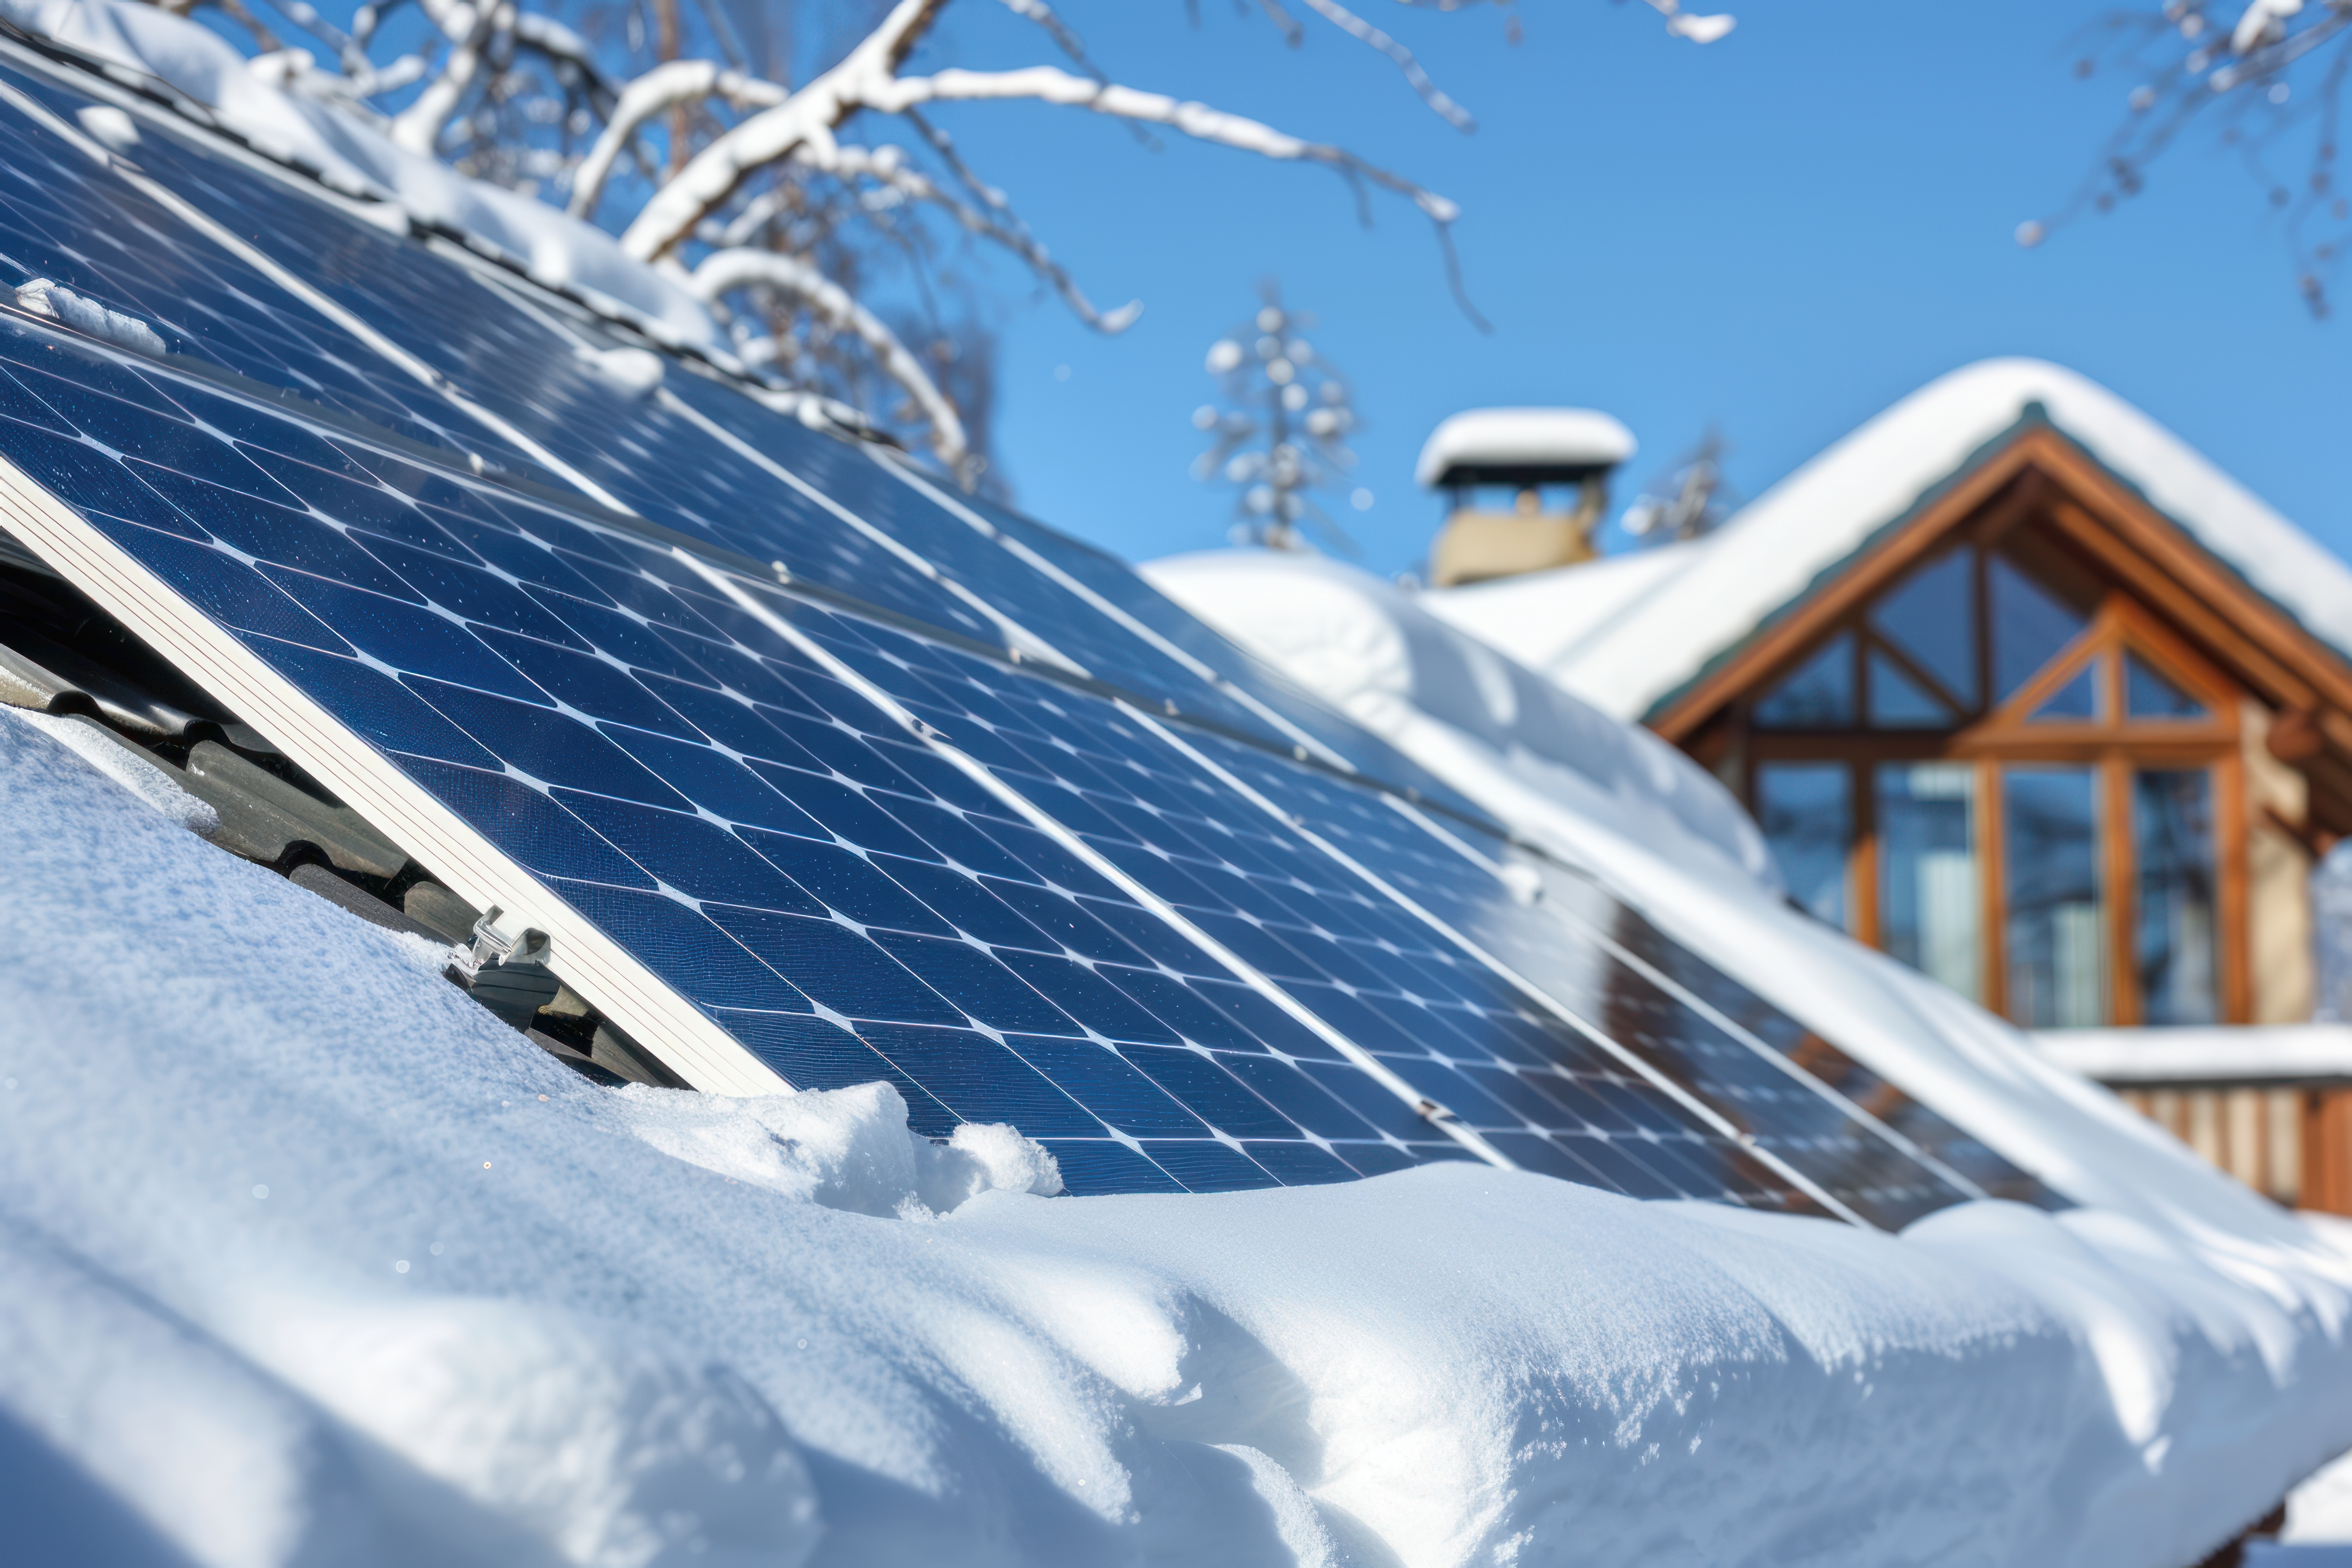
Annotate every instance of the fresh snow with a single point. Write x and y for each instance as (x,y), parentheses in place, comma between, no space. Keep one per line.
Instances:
(304,1257)
(1372,651)
(1631,654)
(2236,1052)
(1523,437)
(349,155)
(131,768)
(59,303)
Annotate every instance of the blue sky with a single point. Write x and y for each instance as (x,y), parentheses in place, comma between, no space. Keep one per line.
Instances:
(1778,233)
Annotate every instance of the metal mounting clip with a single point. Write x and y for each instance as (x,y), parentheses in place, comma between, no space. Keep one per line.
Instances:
(491,945)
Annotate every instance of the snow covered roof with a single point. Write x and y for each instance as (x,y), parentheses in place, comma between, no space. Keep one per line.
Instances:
(1368,650)
(1499,445)
(201,73)
(303,1259)
(310,1258)
(1625,652)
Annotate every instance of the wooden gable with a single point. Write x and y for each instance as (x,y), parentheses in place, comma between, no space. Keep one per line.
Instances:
(2042,496)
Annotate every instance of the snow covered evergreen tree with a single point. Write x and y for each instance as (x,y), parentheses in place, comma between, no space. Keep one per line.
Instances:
(1282,433)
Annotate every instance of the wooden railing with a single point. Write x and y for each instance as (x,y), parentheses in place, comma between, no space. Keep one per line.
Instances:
(2269,1104)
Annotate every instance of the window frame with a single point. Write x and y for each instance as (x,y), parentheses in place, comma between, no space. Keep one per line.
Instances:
(1990,740)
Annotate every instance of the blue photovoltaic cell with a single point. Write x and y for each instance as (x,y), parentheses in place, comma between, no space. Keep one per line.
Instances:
(1609,919)
(1425,1005)
(64,217)
(1445,1025)
(835,892)
(1682,1017)
(862,880)
(537,370)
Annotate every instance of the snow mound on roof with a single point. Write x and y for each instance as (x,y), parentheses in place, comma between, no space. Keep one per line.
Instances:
(1372,651)
(306,1258)
(351,157)
(1768,552)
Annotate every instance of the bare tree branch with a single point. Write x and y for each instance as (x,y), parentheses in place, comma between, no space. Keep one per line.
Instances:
(2192,65)
(887,167)
(1356,27)
(1066,40)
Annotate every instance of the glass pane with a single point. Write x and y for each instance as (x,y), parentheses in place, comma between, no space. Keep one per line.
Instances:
(1819,696)
(1806,811)
(2055,927)
(2081,697)
(1899,702)
(1931,617)
(2172,825)
(2030,626)
(1930,900)
(2147,695)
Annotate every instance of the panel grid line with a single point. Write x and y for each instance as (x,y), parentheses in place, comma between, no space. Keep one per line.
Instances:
(1701,1005)
(1539,994)
(1436,1114)
(261,261)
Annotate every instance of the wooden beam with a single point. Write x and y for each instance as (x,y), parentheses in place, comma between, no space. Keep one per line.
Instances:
(2279,644)
(1880,566)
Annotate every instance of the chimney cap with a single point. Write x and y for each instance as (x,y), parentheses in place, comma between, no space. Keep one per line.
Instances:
(1522,447)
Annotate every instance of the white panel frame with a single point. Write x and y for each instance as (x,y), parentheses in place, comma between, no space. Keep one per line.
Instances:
(614,983)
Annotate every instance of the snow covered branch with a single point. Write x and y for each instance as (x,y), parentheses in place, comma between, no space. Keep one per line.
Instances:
(811,116)
(725,271)
(666,86)
(1698,29)
(819,227)
(468,29)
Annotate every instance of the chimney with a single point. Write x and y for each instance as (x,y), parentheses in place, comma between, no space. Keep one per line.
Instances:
(1569,451)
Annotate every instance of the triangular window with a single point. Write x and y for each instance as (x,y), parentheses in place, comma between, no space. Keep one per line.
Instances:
(1899,702)
(2030,626)
(2148,695)
(2080,700)
(1819,696)
(1931,617)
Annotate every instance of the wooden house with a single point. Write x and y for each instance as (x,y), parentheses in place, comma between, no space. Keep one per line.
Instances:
(2027,693)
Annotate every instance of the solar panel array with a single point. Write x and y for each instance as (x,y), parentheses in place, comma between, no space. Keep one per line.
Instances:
(883,782)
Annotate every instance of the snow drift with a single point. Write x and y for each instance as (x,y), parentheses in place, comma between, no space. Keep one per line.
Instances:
(304,1257)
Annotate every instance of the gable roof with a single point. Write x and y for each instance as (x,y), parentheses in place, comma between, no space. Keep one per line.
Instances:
(1626,634)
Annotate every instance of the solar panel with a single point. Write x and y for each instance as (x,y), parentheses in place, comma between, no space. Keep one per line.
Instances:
(815,772)
(728,471)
